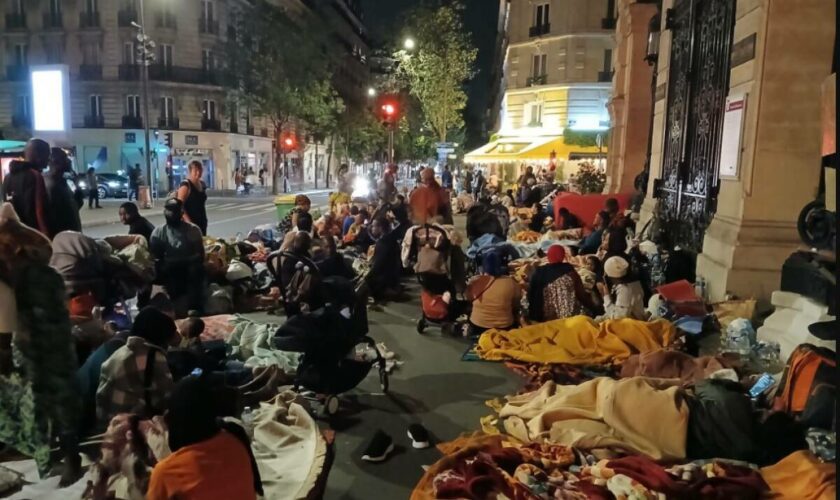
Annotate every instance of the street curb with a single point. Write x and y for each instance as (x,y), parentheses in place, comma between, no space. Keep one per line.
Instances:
(100,223)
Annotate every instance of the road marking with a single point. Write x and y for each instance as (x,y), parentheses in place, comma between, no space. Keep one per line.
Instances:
(248,208)
(272,209)
(228,205)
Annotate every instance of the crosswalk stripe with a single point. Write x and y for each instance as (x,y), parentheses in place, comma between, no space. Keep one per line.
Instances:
(248,208)
(271,209)
(228,205)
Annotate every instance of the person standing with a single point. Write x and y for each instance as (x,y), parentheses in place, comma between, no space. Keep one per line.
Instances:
(468,181)
(480,183)
(133,181)
(63,212)
(93,188)
(262,177)
(193,194)
(446,178)
(24,186)
(430,200)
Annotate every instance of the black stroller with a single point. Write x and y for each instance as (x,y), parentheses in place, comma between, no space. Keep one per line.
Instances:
(431,253)
(337,353)
(298,278)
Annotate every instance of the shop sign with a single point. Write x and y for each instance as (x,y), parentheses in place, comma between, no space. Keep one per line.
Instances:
(730,146)
(190,152)
(130,138)
(191,140)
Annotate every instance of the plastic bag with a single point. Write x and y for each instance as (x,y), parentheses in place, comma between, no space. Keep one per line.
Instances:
(729,310)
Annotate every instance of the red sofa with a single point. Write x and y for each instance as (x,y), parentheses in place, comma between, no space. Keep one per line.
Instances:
(586,206)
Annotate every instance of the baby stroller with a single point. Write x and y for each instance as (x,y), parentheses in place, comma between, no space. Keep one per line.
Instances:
(431,251)
(337,353)
(298,278)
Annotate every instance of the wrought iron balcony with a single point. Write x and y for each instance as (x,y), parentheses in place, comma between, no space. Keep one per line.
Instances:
(129,72)
(125,17)
(53,20)
(89,20)
(234,127)
(169,122)
(536,80)
(16,21)
(21,121)
(208,26)
(17,73)
(181,74)
(90,72)
(539,30)
(94,121)
(131,121)
(211,124)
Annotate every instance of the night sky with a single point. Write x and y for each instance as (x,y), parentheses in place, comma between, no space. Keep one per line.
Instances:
(382,19)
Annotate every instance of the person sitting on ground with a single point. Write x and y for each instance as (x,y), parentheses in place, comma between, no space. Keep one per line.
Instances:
(537,223)
(568,220)
(178,249)
(611,207)
(401,218)
(507,199)
(332,263)
(356,229)
(593,241)
(614,244)
(349,220)
(137,224)
(328,225)
(385,265)
(63,213)
(304,224)
(136,378)
(211,459)
(556,291)
(623,294)
(302,204)
(495,297)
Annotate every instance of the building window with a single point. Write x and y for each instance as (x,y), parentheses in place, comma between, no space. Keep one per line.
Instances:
(533,114)
(91,6)
(91,54)
(22,106)
(607,60)
(54,53)
(541,13)
(167,108)
(55,7)
(129,55)
(538,67)
(96,105)
(207,15)
(166,55)
(209,109)
(132,105)
(21,54)
(208,62)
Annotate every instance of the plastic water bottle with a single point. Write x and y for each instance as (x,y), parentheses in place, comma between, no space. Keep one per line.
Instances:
(700,287)
(248,421)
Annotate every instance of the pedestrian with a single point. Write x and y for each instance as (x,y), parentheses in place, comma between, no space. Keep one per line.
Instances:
(430,200)
(193,194)
(93,188)
(133,181)
(237,178)
(468,181)
(479,184)
(24,186)
(137,224)
(446,178)
(178,249)
(250,180)
(62,213)
(262,177)
(211,458)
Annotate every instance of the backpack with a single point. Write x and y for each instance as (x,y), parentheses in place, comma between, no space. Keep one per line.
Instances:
(808,387)
(430,248)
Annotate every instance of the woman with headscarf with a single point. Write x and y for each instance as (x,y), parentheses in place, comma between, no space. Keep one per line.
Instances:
(623,295)
(302,204)
(211,459)
(495,297)
(430,200)
(556,291)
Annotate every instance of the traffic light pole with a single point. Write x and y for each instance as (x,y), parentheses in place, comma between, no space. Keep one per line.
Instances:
(391,144)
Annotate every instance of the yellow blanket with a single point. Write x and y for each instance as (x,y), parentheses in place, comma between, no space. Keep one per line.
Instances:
(576,340)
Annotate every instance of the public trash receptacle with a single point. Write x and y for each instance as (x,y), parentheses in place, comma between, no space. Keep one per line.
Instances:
(284,204)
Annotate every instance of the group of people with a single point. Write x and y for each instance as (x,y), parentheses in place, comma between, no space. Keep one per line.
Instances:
(245,178)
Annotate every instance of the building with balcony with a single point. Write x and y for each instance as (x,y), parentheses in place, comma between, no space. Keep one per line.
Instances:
(556,76)
(96,40)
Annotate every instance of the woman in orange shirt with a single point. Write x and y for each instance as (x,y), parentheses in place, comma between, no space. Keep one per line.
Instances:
(210,459)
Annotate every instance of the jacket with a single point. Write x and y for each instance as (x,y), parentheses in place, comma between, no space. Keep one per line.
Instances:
(63,213)
(24,188)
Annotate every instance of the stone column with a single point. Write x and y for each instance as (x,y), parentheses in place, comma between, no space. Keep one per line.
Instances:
(754,228)
(630,105)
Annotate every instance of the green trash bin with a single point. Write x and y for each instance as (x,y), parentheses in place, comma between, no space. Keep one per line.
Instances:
(284,204)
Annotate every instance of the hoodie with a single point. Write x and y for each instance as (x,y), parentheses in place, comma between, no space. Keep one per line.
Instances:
(24,188)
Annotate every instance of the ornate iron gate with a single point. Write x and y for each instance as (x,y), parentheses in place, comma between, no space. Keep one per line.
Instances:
(698,84)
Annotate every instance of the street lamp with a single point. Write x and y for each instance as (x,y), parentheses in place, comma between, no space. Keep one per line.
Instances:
(409,44)
(371,92)
(146,57)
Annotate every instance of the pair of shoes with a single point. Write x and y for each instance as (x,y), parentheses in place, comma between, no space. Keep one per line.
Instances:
(382,445)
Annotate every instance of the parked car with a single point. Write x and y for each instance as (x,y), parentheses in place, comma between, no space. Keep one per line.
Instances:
(109,185)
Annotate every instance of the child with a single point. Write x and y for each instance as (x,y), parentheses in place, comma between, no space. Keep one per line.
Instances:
(190,331)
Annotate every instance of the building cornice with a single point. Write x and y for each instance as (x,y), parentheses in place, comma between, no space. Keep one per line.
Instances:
(551,38)
(559,86)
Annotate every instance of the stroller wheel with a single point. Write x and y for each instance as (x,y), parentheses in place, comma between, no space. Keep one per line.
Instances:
(421,325)
(383,380)
(331,405)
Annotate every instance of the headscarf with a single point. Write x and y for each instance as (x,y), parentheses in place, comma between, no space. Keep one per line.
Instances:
(616,267)
(556,254)
(491,263)
(154,326)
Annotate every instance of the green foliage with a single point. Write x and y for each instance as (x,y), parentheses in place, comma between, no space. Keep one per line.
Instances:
(590,179)
(436,70)
(359,135)
(584,138)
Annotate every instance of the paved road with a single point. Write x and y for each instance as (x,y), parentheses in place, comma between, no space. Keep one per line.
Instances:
(227,215)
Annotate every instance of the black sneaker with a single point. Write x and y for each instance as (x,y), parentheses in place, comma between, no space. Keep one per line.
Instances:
(419,436)
(380,446)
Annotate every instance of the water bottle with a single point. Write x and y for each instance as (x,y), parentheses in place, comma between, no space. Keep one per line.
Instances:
(700,287)
(248,421)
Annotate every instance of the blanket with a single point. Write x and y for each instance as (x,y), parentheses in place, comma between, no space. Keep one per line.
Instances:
(603,413)
(801,476)
(577,340)
(251,342)
(672,364)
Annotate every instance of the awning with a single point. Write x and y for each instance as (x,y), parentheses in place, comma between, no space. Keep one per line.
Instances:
(11,146)
(514,150)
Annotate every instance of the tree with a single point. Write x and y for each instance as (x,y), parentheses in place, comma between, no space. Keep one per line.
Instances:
(275,64)
(320,110)
(439,67)
(360,135)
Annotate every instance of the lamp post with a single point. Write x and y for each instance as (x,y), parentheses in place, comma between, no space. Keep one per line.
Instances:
(147,56)
(408,44)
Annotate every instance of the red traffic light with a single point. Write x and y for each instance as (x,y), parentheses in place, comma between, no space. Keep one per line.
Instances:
(289,141)
(389,109)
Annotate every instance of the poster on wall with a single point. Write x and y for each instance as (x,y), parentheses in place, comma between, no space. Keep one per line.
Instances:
(730,144)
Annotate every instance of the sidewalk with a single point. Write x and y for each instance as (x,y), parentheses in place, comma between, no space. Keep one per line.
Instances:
(108,214)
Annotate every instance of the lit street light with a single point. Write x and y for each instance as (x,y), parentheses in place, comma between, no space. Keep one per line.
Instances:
(371,92)
(409,44)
